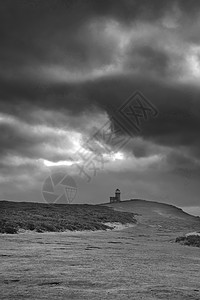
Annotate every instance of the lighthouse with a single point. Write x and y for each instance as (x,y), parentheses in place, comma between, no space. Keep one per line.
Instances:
(117,197)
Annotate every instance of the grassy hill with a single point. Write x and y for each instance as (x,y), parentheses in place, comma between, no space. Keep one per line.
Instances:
(153,213)
(58,217)
(41,217)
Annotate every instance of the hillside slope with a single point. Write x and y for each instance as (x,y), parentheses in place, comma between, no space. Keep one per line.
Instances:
(41,217)
(158,214)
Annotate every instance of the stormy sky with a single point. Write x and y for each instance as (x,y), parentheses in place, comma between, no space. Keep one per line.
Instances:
(68,71)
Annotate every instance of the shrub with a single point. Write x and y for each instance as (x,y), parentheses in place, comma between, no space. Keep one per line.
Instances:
(190,240)
(30,226)
(10,229)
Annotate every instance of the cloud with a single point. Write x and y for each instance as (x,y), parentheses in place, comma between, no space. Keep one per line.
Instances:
(66,41)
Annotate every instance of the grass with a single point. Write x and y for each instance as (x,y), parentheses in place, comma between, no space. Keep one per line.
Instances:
(58,217)
(190,240)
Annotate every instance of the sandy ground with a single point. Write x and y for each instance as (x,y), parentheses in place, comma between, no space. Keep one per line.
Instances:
(114,225)
(193,233)
(140,262)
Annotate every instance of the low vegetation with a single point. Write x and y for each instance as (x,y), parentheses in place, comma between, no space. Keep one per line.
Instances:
(58,217)
(190,240)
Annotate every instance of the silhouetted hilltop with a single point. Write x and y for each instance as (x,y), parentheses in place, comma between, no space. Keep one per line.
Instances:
(159,214)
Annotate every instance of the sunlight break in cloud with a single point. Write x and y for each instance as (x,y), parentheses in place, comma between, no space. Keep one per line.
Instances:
(48,163)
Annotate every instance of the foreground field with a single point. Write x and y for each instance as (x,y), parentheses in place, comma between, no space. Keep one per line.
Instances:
(140,262)
(136,263)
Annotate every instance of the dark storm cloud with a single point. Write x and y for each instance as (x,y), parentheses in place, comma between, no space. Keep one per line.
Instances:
(177,123)
(34,32)
(178,106)
(146,58)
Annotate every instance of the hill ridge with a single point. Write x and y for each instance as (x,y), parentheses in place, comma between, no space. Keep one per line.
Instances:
(157,214)
(153,202)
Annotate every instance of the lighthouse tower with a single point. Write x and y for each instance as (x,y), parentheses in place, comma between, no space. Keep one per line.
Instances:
(117,195)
